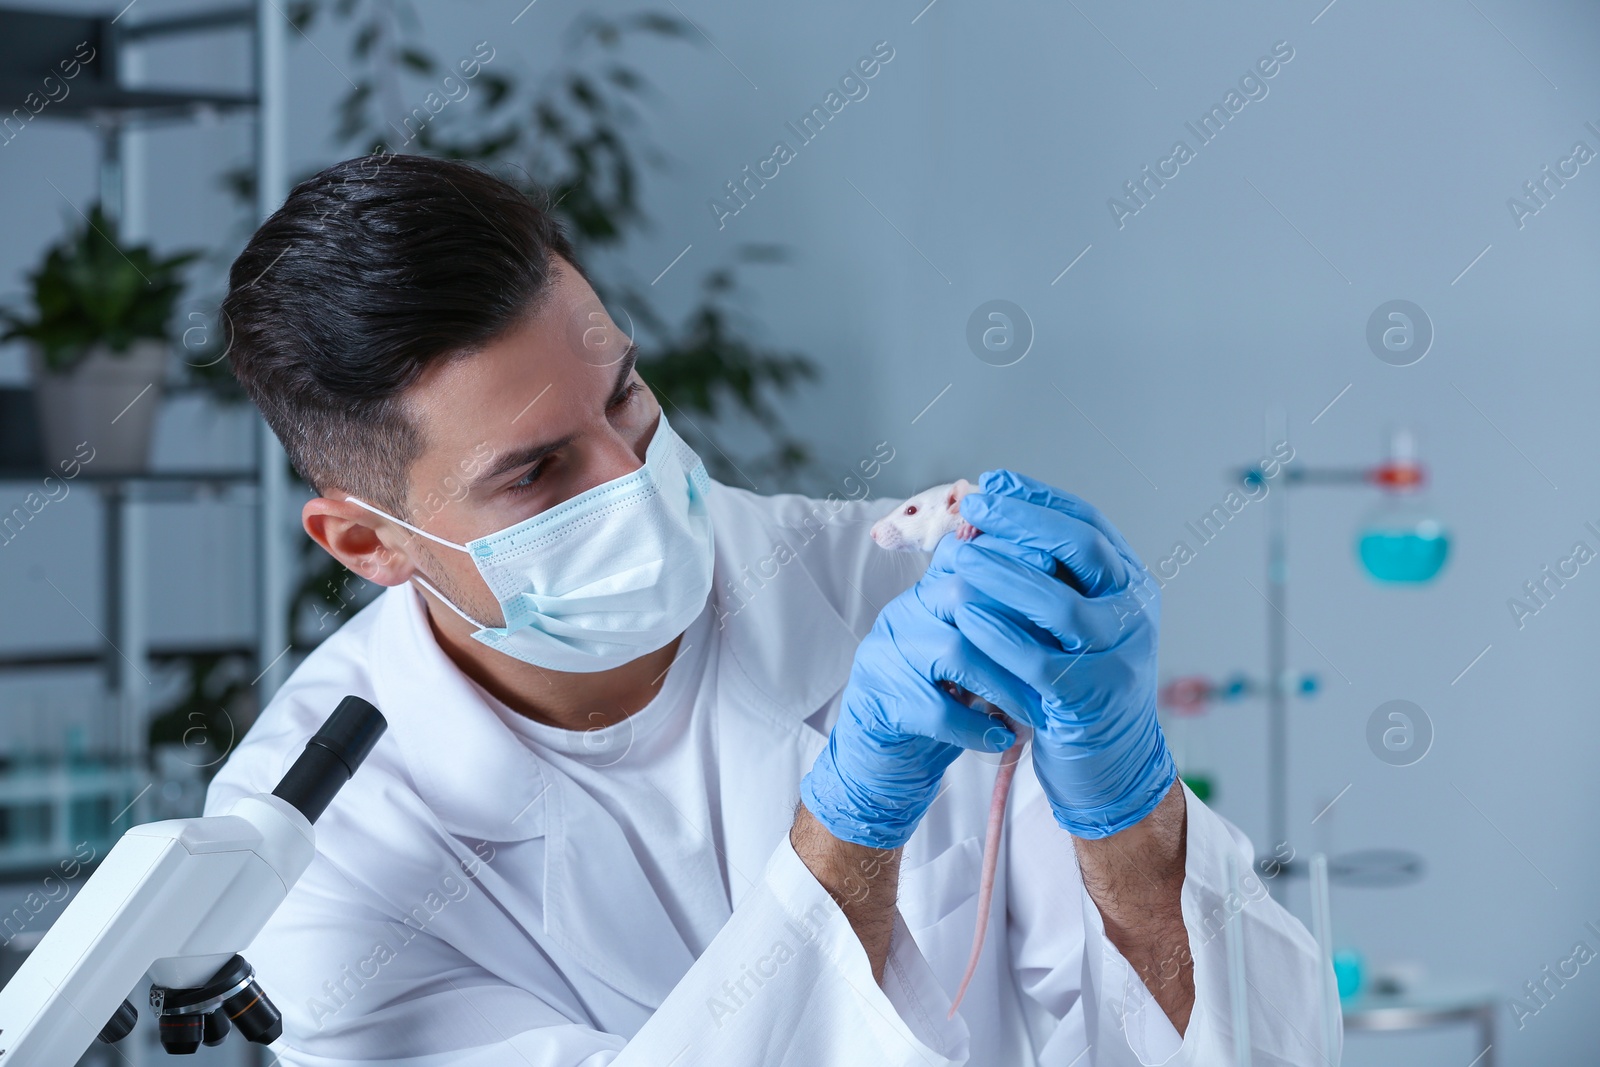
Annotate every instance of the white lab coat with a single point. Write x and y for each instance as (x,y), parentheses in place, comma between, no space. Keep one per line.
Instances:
(466,908)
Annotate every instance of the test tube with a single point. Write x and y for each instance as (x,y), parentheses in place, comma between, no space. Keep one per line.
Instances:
(1322,928)
(1238,990)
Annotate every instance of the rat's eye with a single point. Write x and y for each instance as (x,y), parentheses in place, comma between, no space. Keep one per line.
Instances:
(911,509)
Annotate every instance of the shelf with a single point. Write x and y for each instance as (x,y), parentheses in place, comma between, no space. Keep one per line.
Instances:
(141,106)
(34,44)
(96,657)
(21,459)
(223,476)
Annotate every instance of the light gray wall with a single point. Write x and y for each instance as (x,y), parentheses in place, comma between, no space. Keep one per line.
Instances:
(1377,167)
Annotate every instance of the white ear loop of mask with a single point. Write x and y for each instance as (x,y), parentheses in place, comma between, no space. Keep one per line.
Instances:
(415,577)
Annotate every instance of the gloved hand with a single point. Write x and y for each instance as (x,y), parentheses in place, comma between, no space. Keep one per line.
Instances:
(897,728)
(1084,638)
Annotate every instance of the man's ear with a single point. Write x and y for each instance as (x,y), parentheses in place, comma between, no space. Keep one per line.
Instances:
(358,539)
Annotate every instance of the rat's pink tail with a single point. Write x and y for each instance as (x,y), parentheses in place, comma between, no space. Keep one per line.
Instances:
(991,857)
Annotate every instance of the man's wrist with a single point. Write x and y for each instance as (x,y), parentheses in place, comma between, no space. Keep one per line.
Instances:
(862,880)
(1135,879)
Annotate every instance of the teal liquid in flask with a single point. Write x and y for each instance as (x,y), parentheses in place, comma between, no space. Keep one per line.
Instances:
(1404,554)
(1400,540)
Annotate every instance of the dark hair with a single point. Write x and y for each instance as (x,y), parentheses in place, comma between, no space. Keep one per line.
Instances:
(370,272)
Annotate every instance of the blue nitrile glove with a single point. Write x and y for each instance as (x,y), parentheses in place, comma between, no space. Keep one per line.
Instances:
(897,729)
(1086,645)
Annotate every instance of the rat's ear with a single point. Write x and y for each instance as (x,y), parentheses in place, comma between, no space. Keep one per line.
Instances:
(958,489)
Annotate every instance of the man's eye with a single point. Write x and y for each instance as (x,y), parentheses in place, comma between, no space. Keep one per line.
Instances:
(626,395)
(527,480)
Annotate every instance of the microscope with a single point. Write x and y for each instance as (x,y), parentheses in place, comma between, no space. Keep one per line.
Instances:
(176,901)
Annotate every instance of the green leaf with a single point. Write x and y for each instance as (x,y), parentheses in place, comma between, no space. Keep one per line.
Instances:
(496,88)
(301,13)
(417,60)
(352,112)
(661,24)
(624,78)
(365,38)
(583,92)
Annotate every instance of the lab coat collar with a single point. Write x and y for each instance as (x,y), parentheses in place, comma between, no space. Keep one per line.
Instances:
(471,771)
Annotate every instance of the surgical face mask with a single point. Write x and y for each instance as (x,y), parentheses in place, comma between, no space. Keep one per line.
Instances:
(599,580)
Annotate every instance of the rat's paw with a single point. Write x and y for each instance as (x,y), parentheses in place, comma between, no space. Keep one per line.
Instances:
(965,531)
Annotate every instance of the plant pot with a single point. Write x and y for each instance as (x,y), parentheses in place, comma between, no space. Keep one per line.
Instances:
(108,401)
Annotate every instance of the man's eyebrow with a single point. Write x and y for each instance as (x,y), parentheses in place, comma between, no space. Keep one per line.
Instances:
(624,369)
(523,457)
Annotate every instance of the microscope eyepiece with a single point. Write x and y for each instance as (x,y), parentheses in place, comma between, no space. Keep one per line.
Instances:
(332,756)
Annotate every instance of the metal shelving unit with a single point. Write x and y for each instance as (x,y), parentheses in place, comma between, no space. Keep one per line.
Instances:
(32,44)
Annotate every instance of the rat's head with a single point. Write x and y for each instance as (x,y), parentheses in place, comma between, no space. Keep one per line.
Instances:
(918,523)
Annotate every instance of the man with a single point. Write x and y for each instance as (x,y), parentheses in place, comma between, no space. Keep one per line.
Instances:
(669,778)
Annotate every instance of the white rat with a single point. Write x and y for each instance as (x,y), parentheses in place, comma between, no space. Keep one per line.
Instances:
(918,524)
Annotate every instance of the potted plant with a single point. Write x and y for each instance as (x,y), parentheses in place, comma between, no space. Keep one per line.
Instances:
(98,344)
